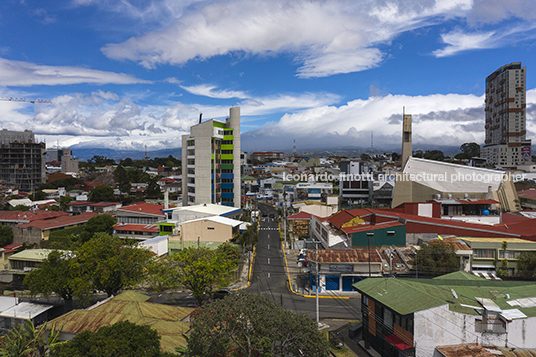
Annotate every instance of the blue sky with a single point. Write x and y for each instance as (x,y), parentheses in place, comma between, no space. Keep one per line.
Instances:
(133,73)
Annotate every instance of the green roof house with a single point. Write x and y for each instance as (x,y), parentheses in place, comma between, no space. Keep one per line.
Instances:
(410,317)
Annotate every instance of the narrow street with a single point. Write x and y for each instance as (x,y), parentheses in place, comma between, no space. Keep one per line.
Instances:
(269,276)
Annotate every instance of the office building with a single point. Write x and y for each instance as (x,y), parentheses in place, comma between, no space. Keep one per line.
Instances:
(211,162)
(506,144)
(22,164)
(65,157)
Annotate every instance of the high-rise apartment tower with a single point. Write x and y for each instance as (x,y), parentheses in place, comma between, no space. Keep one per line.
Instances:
(211,162)
(22,164)
(506,144)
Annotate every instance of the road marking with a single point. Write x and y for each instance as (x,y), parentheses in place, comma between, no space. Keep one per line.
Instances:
(268,244)
(268,274)
(268,260)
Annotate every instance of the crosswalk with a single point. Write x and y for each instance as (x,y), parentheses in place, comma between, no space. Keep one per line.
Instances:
(268,229)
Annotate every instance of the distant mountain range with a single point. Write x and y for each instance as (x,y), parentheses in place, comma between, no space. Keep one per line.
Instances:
(87,153)
(84,154)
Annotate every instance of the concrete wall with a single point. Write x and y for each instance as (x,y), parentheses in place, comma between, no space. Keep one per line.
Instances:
(439,327)
(206,230)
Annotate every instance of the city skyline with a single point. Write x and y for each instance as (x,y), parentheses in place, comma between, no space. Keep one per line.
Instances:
(130,74)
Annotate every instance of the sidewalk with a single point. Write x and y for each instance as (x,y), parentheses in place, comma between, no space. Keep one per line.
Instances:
(245,274)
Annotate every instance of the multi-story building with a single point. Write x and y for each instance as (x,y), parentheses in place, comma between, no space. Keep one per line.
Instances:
(356,183)
(22,160)
(267,155)
(211,162)
(506,144)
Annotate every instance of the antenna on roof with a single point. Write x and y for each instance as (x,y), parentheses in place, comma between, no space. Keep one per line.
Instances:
(200,116)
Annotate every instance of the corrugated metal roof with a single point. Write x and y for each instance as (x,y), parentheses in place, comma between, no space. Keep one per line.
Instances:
(131,306)
(411,295)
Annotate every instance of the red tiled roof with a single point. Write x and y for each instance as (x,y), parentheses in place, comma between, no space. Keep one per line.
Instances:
(508,218)
(300,215)
(527,194)
(148,208)
(79,203)
(61,221)
(31,216)
(137,227)
(340,218)
(521,229)
(13,247)
(103,204)
(371,227)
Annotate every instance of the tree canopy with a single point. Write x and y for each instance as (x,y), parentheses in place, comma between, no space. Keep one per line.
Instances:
(124,339)
(526,265)
(102,193)
(201,270)
(102,223)
(6,235)
(436,259)
(104,263)
(252,325)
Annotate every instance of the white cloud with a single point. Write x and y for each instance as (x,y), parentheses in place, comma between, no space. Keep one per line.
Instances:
(438,120)
(327,37)
(18,73)
(211,91)
(458,40)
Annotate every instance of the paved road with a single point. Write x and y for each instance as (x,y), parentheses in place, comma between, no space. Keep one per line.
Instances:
(269,276)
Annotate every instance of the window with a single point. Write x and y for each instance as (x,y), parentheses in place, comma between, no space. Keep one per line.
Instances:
(483,253)
(210,228)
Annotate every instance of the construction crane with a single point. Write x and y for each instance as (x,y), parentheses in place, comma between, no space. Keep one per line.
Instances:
(12,99)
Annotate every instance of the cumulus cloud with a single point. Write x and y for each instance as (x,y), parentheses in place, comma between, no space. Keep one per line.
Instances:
(438,119)
(18,73)
(326,37)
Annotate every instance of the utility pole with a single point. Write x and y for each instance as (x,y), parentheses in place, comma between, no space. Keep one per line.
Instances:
(369,234)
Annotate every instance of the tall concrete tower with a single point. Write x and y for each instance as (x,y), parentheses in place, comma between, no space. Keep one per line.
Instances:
(406,139)
(506,144)
(211,162)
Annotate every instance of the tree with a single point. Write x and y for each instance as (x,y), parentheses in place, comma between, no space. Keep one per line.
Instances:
(122,179)
(123,338)
(27,341)
(437,259)
(111,264)
(470,150)
(434,155)
(6,235)
(153,188)
(101,193)
(104,263)
(102,223)
(526,265)
(20,208)
(365,157)
(161,275)
(56,274)
(246,324)
(230,252)
(201,270)
(395,156)
(64,201)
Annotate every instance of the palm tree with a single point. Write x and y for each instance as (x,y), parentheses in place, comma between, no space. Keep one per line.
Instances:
(25,340)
